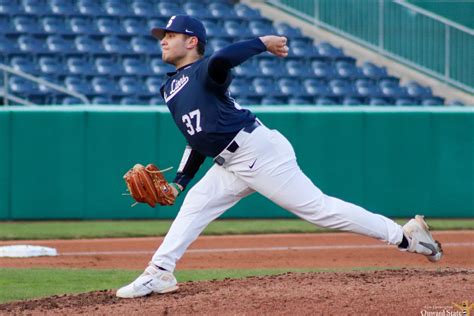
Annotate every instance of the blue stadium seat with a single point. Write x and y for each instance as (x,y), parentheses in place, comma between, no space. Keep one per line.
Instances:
(6,26)
(22,87)
(25,64)
(152,23)
(43,89)
(168,9)
(110,26)
(241,88)
(10,7)
(299,100)
(102,100)
(136,67)
(372,71)
(36,7)
(117,8)
(160,68)
(145,45)
(237,30)
(214,30)
(405,102)
(432,101)
(243,11)
(272,68)
(322,70)
(61,45)
(135,26)
(197,10)
(8,46)
(285,29)
(316,87)
(261,28)
(52,65)
(105,86)
(108,66)
(91,8)
(391,89)
(248,69)
(33,45)
(153,85)
(341,88)
(378,101)
(144,9)
(292,87)
(27,25)
(63,7)
(352,101)
(222,11)
(456,102)
(81,66)
(131,100)
(347,70)
(326,101)
(156,101)
(298,68)
(415,90)
(300,48)
(78,84)
(218,43)
(56,25)
(116,45)
(83,26)
(366,88)
(132,86)
(70,101)
(244,101)
(271,100)
(88,45)
(266,87)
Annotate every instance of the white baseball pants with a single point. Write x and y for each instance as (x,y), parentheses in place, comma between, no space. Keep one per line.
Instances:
(274,174)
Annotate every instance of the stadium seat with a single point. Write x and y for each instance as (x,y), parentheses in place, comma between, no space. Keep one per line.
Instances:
(117,8)
(243,11)
(80,66)
(135,26)
(160,68)
(341,88)
(327,50)
(152,23)
(391,89)
(102,100)
(168,9)
(88,45)
(131,100)
(30,44)
(132,86)
(243,101)
(63,7)
(108,66)
(110,26)
(116,45)
(145,45)
(347,70)
(78,84)
(261,28)
(6,26)
(273,101)
(241,88)
(456,102)
(325,101)
(27,25)
(302,49)
(405,102)
(25,64)
(197,10)
(237,30)
(153,85)
(83,26)
(36,7)
(56,25)
(223,11)
(298,69)
(272,68)
(218,43)
(415,90)
(8,46)
(156,101)
(71,101)
(22,86)
(372,71)
(52,65)
(366,88)
(299,100)
(378,101)
(136,67)
(214,30)
(322,70)
(105,86)
(91,8)
(292,87)
(248,69)
(284,29)
(352,101)
(266,87)
(316,87)
(61,45)
(10,7)
(144,9)
(432,101)
(43,89)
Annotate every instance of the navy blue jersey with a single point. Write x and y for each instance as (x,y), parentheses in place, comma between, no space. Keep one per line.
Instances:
(203,109)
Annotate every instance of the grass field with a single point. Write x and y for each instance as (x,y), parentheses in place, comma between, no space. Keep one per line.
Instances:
(103,229)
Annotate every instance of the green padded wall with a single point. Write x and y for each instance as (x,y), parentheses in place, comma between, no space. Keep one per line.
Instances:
(4,165)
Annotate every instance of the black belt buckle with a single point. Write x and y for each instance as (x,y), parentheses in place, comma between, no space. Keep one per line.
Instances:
(219,160)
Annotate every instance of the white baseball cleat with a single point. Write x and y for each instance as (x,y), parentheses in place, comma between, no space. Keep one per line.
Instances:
(420,239)
(151,280)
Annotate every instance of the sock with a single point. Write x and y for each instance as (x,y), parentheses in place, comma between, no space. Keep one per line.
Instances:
(403,243)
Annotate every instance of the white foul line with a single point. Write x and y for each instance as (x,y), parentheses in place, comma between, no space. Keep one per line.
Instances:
(256,249)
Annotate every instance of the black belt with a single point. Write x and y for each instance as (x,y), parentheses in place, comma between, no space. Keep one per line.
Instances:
(233,146)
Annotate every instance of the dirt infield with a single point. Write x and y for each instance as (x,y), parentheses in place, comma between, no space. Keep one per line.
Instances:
(420,286)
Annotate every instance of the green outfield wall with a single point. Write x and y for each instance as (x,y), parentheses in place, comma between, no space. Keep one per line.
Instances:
(67,163)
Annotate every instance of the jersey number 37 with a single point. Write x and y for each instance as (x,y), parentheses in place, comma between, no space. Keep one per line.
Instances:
(189,119)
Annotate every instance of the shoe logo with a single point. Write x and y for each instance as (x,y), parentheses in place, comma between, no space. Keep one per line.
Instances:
(429,246)
(251,166)
(147,282)
(188,31)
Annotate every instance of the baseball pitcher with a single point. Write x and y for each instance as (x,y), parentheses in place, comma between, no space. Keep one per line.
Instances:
(248,157)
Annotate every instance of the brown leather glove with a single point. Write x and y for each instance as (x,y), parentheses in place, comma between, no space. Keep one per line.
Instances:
(148,185)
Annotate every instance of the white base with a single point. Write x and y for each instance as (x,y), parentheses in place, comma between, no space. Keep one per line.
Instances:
(25,251)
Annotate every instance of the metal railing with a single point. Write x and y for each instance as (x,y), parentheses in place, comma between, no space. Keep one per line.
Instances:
(394,28)
(8,96)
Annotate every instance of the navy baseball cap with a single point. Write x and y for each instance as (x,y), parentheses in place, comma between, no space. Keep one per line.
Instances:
(183,24)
